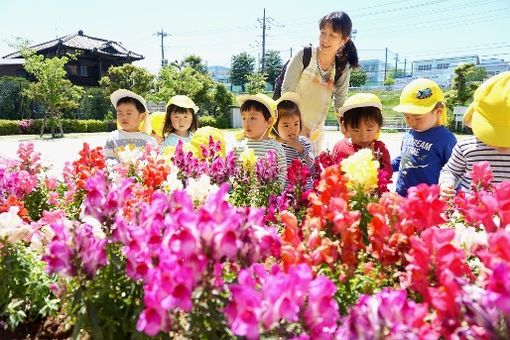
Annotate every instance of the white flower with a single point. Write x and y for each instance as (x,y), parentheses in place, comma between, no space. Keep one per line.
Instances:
(467,237)
(129,154)
(172,182)
(12,226)
(200,189)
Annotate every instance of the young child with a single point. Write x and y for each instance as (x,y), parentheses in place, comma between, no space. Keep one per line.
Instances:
(131,111)
(288,128)
(489,118)
(427,146)
(361,119)
(258,114)
(180,120)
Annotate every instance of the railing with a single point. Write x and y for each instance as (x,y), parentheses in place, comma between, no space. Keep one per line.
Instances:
(394,123)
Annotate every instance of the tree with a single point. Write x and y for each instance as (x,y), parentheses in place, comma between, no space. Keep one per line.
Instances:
(130,77)
(51,88)
(195,62)
(273,66)
(256,83)
(465,81)
(389,81)
(95,104)
(397,74)
(243,64)
(358,77)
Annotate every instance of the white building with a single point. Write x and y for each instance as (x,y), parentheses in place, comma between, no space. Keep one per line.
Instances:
(494,66)
(441,70)
(374,68)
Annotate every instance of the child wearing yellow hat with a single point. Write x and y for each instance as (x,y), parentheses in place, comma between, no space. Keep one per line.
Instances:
(180,120)
(489,118)
(427,146)
(361,119)
(258,113)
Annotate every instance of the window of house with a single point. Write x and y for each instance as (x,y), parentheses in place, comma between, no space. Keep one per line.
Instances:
(84,72)
(72,69)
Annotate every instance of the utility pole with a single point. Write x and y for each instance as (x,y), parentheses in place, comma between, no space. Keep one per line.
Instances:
(385,64)
(162,34)
(290,52)
(405,64)
(266,24)
(396,61)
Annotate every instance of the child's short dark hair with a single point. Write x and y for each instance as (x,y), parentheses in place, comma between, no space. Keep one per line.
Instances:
(172,108)
(257,106)
(287,108)
(129,100)
(352,118)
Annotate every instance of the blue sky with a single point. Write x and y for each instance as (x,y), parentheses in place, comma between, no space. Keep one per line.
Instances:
(216,30)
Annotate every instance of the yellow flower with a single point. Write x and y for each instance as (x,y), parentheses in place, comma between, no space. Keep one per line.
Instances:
(248,160)
(362,170)
(201,137)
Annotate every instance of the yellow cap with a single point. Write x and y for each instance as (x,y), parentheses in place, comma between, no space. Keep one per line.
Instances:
(201,137)
(419,97)
(157,120)
(182,101)
(360,100)
(489,114)
(264,100)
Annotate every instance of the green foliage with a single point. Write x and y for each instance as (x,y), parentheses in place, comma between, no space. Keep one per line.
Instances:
(51,88)
(395,73)
(24,288)
(220,122)
(130,77)
(389,81)
(95,104)
(256,83)
(358,77)
(243,64)
(33,126)
(188,81)
(12,103)
(108,305)
(465,81)
(195,62)
(223,99)
(273,65)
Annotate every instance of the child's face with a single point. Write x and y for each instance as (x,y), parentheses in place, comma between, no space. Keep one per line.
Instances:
(364,134)
(424,122)
(181,122)
(128,117)
(255,126)
(329,40)
(289,127)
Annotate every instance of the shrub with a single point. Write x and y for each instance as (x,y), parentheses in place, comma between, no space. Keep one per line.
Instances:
(9,127)
(33,126)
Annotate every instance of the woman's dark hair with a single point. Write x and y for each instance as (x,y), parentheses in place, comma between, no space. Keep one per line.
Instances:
(287,108)
(128,100)
(172,108)
(352,118)
(342,24)
(257,106)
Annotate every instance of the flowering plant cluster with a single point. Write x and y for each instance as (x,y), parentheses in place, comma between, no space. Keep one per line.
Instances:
(195,246)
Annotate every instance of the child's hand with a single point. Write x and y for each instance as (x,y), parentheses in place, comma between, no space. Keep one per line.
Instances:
(295,144)
(447,192)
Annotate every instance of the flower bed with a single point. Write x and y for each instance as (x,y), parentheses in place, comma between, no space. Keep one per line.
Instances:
(189,244)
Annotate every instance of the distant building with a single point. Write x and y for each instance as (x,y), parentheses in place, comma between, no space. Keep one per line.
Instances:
(441,70)
(374,68)
(96,55)
(220,74)
(494,66)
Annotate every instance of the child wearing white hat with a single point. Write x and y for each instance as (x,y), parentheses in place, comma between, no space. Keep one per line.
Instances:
(180,120)
(131,111)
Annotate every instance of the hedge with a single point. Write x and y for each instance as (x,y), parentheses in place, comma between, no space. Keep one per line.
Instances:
(220,122)
(33,126)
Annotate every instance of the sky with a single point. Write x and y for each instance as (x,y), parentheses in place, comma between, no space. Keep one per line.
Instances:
(217,30)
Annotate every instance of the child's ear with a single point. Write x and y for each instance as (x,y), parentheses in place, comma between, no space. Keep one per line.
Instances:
(270,120)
